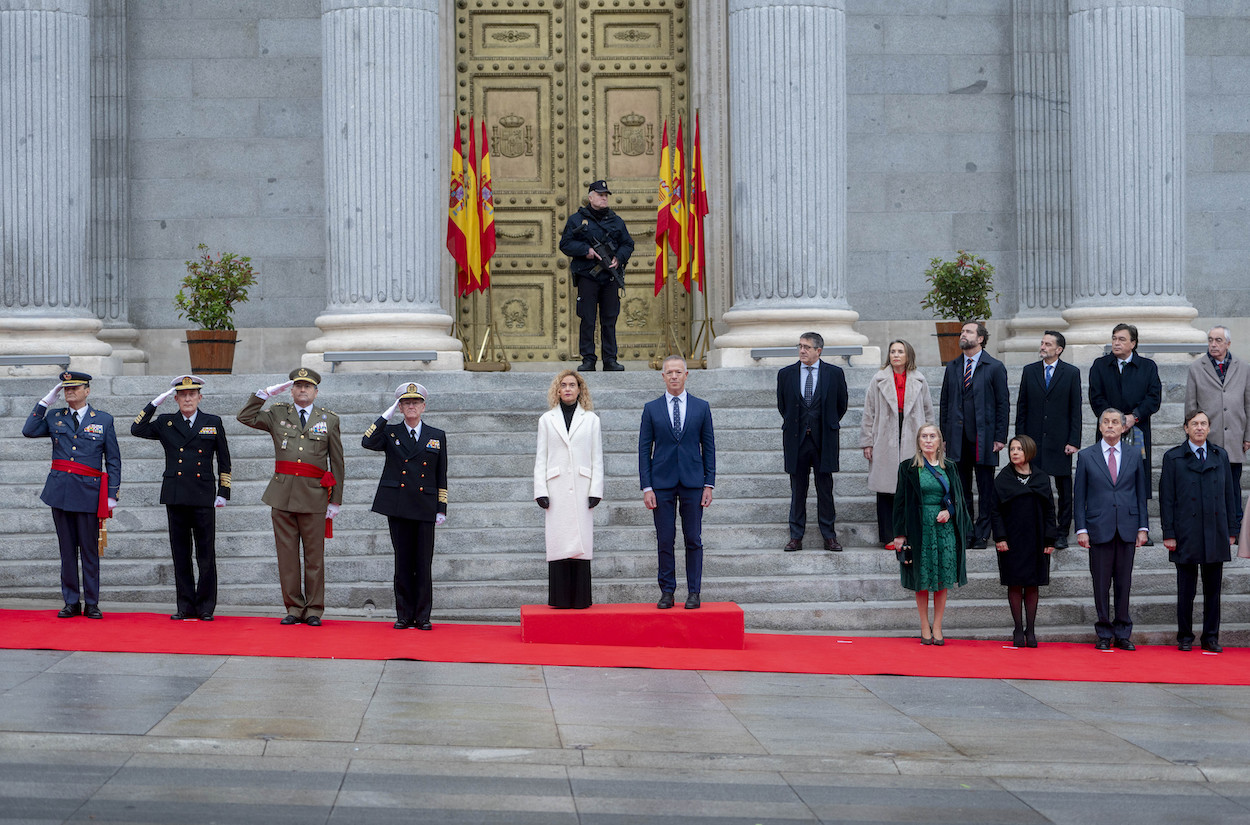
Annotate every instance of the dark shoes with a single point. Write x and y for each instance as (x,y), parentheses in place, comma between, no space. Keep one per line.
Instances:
(1102,644)
(1212,647)
(587,366)
(613,366)
(692,601)
(180,617)
(313,621)
(92,611)
(832,545)
(1125,644)
(1185,646)
(1030,640)
(794,544)
(424,625)
(1017,638)
(665,602)
(206,617)
(978,544)
(289,619)
(69,611)
(400,624)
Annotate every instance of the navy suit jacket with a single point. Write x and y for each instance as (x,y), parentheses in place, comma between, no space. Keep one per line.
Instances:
(666,462)
(1103,509)
(188,479)
(1051,416)
(991,402)
(830,401)
(414,477)
(94,444)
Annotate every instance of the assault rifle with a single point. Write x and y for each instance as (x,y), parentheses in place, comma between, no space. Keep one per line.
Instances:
(606,250)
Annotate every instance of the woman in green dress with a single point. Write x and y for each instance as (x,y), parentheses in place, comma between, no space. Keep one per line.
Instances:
(931,522)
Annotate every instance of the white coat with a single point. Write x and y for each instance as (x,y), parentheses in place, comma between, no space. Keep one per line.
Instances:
(879,428)
(568,470)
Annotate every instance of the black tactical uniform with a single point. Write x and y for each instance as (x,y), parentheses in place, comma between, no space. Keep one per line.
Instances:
(596,291)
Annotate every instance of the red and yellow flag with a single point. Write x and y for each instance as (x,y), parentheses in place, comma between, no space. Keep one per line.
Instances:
(472,231)
(662,212)
(456,208)
(677,239)
(698,209)
(487,216)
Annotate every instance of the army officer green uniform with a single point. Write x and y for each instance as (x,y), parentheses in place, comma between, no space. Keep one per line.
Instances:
(306,489)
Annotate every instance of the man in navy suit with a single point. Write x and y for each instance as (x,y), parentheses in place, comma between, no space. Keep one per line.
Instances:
(82,486)
(1109,503)
(190,490)
(974,410)
(812,398)
(677,471)
(1048,410)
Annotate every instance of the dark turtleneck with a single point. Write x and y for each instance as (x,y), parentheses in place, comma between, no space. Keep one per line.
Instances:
(568,410)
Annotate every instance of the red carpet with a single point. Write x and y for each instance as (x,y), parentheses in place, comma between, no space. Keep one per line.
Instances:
(347,639)
(715,625)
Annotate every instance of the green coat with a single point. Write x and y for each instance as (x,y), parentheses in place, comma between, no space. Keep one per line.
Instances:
(907,510)
(319,445)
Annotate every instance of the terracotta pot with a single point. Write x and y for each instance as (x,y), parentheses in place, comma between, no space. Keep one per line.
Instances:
(212,350)
(948,340)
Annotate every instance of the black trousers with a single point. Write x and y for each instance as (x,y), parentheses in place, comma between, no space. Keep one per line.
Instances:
(78,533)
(1111,563)
(413,543)
(986,498)
(826,513)
(1063,507)
(885,517)
(193,526)
(1187,588)
(668,503)
(1236,468)
(602,299)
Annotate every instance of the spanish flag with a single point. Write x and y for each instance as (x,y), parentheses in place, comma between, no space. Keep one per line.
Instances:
(677,239)
(472,231)
(698,209)
(661,215)
(487,217)
(456,208)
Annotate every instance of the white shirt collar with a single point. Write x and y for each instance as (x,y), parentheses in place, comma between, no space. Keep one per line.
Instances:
(82,413)
(1107,448)
(307,410)
(1193,448)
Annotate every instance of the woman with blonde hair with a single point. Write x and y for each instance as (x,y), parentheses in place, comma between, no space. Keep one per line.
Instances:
(896,405)
(568,484)
(931,526)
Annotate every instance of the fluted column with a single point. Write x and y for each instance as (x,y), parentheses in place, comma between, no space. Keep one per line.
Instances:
(45,52)
(1043,173)
(1128,130)
(787,91)
(109,222)
(385,196)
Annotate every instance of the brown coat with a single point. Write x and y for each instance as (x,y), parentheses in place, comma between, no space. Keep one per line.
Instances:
(879,429)
(319,445)
(1225,404)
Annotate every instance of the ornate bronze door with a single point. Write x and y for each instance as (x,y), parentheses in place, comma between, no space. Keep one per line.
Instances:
(570,93)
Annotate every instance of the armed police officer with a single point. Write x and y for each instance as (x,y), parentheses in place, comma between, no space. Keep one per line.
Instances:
(596,240)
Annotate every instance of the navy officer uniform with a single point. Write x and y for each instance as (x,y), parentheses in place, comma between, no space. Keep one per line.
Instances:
(82,485)
(412,494)
(190,490)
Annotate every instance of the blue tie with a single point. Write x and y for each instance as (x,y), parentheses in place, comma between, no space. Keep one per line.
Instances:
(1202,454)
(676,418)
(1050,368)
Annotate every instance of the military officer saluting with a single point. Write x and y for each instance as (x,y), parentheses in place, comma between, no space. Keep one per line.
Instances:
(190,490)
(412,494)
(82,486)
(306,489)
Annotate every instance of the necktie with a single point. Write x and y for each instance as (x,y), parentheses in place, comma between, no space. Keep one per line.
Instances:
(676,418)
(1050,368)
(1220,369)
(1111,464)
(807,388)
(75,420)
(412,434)
(967,373)
(1202,454)
(303,419)
(1122,363)
(187,421)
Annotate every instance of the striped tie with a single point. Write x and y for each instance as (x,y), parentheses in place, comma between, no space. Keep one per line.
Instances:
(1049,369)
(967,373)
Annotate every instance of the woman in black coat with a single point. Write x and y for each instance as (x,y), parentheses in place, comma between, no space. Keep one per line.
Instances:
(1200,511)
(1024,534)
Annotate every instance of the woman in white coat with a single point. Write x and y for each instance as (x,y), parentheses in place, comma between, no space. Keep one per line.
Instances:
(568,483)
(896,406)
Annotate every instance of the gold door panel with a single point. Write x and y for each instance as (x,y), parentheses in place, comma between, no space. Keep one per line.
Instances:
(570,92)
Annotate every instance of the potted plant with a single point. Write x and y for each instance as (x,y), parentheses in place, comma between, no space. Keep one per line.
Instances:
(208,296)
(961,290)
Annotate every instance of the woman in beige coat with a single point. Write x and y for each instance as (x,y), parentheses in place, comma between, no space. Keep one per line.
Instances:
(896,406)
(568,483)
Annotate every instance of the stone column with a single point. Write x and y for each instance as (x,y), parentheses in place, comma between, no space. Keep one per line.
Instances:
(45,52)
(1128,138)
(1043,173)
(109,222)
(385,196)
(787,139)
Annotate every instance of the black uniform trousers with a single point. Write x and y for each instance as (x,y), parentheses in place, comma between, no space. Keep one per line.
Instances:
(987,499)
(196,526)
(826,513)
(601,298)
(413,543)
(1187,589)
(668,504)
(1111,563)
(78,533)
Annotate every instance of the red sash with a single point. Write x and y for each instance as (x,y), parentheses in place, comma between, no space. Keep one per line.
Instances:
(74,468)
(295,468)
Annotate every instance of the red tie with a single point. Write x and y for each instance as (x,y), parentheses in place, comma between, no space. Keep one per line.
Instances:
(1111,464)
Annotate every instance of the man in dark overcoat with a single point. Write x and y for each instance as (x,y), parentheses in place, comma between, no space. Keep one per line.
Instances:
(1048,410)
(1128,382)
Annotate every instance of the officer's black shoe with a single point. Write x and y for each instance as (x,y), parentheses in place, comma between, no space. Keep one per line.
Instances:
(289,619)
(92,611)
(313,621)
(69,611)
(613,366)
(587,366)
(424,625)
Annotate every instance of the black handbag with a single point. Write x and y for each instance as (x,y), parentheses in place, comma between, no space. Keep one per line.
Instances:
(903,554)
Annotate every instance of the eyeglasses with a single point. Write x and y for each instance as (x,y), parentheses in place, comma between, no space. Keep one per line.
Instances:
(807,347)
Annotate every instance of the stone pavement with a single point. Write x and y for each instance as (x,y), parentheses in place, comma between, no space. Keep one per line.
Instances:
(146,738)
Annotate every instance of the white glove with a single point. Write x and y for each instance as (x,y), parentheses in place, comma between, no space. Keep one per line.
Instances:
(332,510)
(50,399)
(163,397)
(390,411)
(219,502)
(270,392)
(112,504)
(439,519)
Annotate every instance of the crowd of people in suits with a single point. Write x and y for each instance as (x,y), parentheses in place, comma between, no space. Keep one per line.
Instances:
(922,466)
